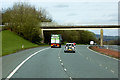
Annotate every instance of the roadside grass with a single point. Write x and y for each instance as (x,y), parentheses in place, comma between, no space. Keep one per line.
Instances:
(0,28)
(12,43)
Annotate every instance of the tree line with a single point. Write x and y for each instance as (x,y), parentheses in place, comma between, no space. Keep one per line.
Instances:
(78,36)
(25,20)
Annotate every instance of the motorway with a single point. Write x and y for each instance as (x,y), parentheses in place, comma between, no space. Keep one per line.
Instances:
(54,63)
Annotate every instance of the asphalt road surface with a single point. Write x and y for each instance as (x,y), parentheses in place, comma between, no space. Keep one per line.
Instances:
(54,63)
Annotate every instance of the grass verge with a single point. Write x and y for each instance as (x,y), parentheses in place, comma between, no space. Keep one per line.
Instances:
(12,43)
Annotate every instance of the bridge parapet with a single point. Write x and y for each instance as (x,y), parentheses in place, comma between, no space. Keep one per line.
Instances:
(98,26)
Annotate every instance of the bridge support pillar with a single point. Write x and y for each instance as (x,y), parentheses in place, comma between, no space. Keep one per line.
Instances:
(42,34)
(101,37)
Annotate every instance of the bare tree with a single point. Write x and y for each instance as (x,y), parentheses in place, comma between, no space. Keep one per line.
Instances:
(23,19)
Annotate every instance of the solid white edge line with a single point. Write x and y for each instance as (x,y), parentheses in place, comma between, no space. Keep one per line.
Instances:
(18,67)
(102,54)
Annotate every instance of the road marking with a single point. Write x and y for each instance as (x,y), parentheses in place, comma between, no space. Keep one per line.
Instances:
(100,64)
(61,63)
(87,58)
(105,67)
(18,67)
(70,78)
(102,54)
(112,71)
(78,52)
(65,69)
(90,60)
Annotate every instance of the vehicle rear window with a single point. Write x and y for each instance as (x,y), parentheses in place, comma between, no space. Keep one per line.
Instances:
(69,45)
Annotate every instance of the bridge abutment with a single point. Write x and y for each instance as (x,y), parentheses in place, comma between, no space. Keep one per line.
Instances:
(42,34)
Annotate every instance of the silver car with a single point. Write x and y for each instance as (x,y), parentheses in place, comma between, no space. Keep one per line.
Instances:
(69,47)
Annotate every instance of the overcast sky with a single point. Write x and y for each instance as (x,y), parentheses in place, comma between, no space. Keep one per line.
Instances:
(77,12)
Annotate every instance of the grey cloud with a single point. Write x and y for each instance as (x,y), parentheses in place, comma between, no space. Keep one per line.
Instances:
(113,17)
(72,14)
(61,6)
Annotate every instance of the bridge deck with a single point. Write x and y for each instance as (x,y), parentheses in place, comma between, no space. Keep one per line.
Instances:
(66,27)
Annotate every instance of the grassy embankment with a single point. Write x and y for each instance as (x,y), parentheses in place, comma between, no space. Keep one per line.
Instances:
(0,28)
(12,43)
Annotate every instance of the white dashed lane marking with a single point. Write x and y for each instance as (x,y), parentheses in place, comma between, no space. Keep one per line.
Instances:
(65,69)
(59,57)
(100,64)
(70,78)
(105,67)
(63,66)
(112,71)
(87,58)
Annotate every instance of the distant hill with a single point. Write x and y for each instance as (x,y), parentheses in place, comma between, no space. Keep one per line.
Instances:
(107,38)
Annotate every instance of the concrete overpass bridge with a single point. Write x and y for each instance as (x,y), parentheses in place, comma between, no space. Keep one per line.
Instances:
(85,27)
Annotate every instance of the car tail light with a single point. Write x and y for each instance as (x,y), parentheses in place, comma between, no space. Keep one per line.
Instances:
(52,44)
(57,44)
